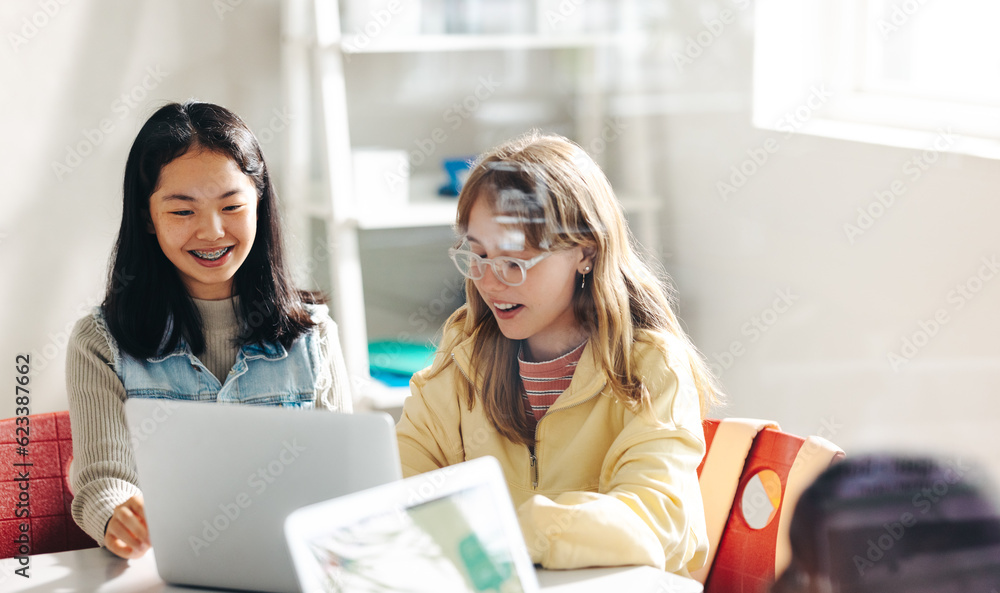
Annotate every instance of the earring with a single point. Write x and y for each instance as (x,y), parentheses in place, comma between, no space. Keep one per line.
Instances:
(583,278)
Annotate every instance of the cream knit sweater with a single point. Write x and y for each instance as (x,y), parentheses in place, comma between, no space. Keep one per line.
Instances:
(103,470)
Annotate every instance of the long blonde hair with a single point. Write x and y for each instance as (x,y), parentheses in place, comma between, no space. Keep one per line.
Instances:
(555,194)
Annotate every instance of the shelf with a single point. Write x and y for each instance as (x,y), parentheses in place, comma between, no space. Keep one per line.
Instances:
(637,204)
(427,210)
(420,212)
(446,43)
(316,58)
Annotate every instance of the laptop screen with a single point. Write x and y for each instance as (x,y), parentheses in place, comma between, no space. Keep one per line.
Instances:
(461,541)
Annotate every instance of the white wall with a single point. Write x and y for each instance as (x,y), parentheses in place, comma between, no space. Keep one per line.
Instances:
(821,367)
(825,361)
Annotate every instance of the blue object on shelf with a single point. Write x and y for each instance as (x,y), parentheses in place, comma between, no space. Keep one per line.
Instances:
(457,171)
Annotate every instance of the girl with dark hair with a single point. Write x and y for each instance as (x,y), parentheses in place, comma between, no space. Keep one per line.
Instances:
(889,522)
(199,306)
(568,365)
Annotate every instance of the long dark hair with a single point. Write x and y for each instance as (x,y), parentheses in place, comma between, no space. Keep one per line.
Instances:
(146,307)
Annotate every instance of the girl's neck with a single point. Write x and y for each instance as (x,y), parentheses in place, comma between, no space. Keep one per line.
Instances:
(535,349)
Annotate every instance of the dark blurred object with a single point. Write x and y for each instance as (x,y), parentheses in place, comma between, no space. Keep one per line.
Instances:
(895,523)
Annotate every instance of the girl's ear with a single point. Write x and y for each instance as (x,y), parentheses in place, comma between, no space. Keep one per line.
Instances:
(587,262)
(149,222)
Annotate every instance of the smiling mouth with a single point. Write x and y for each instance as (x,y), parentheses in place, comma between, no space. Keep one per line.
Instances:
(505,307)
(211,255)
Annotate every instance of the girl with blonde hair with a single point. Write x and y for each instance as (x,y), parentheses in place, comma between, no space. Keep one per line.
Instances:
(567,365)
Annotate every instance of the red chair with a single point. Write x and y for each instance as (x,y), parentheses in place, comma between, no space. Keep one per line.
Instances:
(51,526)
(754,546)
(728,442)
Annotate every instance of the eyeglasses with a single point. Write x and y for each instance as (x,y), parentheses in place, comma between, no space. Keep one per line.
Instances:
(509,270)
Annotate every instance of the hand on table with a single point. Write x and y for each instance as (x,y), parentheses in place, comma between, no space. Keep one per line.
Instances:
(127,534)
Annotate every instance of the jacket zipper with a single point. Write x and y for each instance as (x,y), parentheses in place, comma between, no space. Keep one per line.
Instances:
(534,468)
(459,367)
(532,450)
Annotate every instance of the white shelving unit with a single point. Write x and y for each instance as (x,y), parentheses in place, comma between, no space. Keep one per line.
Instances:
(319,186)
(444,43)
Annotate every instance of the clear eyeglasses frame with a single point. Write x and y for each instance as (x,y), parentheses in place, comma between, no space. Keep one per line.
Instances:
(512,271)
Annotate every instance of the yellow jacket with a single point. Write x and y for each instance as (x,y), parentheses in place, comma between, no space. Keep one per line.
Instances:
(608,487)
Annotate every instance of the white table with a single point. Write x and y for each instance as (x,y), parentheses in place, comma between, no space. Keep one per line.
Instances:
(98,571)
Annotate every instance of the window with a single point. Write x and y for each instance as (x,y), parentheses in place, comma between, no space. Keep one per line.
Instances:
(913,73)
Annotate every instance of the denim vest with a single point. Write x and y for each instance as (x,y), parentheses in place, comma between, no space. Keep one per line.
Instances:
(265,374)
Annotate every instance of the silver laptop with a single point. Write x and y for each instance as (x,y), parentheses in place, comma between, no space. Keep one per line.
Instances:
(452,530)
(219,480)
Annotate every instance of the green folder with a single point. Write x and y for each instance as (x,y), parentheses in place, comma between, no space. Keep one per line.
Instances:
(399,358)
